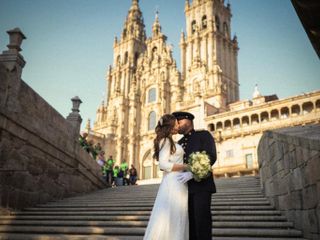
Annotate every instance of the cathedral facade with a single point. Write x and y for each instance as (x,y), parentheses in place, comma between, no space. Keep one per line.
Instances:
(144,83)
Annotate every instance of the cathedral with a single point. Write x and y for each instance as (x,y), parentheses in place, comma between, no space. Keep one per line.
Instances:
(143,83)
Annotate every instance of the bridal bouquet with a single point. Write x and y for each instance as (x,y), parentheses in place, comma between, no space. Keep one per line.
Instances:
(199,164)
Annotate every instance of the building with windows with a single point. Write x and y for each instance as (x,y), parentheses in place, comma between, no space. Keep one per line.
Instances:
(144,83)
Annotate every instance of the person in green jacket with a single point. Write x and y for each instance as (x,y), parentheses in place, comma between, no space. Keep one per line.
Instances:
(124,170)
(108,169)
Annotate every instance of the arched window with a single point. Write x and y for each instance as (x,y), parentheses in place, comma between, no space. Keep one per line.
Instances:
(284,112)
(193,26)
(274,114)
(125,58)
(295,109)
(254,119)
(307,107)
(264,116)
(217,23)
(236,122)
(318,104)
(211,127)
(118,60)
(152,95)
(219,125)
(154,52)
(152,120)
(136,56)
(204,22)
(245,120)
(227,124)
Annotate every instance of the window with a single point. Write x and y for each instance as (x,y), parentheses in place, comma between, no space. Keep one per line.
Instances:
(152,120)
(125,58)
(193,26)
(217,23)
(154,53)
(229,153)
(152,95)
(204,22)
(249,161)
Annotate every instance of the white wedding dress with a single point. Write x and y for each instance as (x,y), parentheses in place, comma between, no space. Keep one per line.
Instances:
(169,216)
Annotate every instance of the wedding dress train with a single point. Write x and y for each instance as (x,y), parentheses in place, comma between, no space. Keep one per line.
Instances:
(169,217)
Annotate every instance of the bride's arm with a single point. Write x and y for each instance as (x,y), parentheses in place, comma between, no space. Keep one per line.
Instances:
(164,156)
(179,167)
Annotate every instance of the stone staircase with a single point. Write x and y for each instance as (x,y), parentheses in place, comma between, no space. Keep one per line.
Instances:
(239,210)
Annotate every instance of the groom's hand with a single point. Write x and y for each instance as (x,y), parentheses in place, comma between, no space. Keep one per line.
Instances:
(184,177)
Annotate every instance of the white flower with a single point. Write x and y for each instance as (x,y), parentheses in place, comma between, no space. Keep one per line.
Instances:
(200,166)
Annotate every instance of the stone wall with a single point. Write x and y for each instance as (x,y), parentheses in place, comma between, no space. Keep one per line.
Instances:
(289,162)
(40,157)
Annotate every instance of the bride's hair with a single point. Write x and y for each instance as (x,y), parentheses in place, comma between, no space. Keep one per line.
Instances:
(163,131)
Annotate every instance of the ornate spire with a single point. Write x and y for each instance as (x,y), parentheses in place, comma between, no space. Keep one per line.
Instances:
(134,26)
(135,5)
(156,27)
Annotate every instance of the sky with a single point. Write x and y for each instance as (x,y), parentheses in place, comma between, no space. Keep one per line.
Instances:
(69,46)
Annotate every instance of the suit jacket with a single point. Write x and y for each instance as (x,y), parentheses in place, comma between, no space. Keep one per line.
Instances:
(198,141)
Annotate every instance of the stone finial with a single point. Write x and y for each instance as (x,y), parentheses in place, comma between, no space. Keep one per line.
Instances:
(76,101)
(16,37)
(74,117)
(11,58)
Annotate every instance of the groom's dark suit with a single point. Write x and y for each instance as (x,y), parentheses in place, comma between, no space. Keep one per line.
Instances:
(200,192)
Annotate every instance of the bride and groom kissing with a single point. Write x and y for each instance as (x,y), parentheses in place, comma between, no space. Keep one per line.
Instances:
(182,207)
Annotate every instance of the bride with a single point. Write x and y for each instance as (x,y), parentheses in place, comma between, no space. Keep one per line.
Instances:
(169,216)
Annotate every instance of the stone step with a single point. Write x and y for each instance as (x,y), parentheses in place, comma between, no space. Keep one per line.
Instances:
(139,223)
(146,213)
(239,211)
(144,208)
(144,198)
(14,236)
(144,203)
(138,218)
(139,231)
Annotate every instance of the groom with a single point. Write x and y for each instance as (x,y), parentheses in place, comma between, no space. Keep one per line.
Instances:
(199,202)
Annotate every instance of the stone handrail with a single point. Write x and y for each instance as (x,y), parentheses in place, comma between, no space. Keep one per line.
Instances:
(40,157)
(289,162)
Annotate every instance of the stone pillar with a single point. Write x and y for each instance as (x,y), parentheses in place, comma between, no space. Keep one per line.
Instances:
(74,117)
(13,62)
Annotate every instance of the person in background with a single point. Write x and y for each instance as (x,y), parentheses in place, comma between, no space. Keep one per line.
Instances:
(101,159)
(133,175)
(83,140)
(91,149)
(117,176)
(97,148)
(124,170)
(108,169)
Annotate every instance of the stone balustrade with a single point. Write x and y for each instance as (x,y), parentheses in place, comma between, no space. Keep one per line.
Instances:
(40,157)
(289,162)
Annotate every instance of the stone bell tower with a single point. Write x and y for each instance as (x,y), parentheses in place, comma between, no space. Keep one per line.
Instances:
(113,119)
(209,55)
